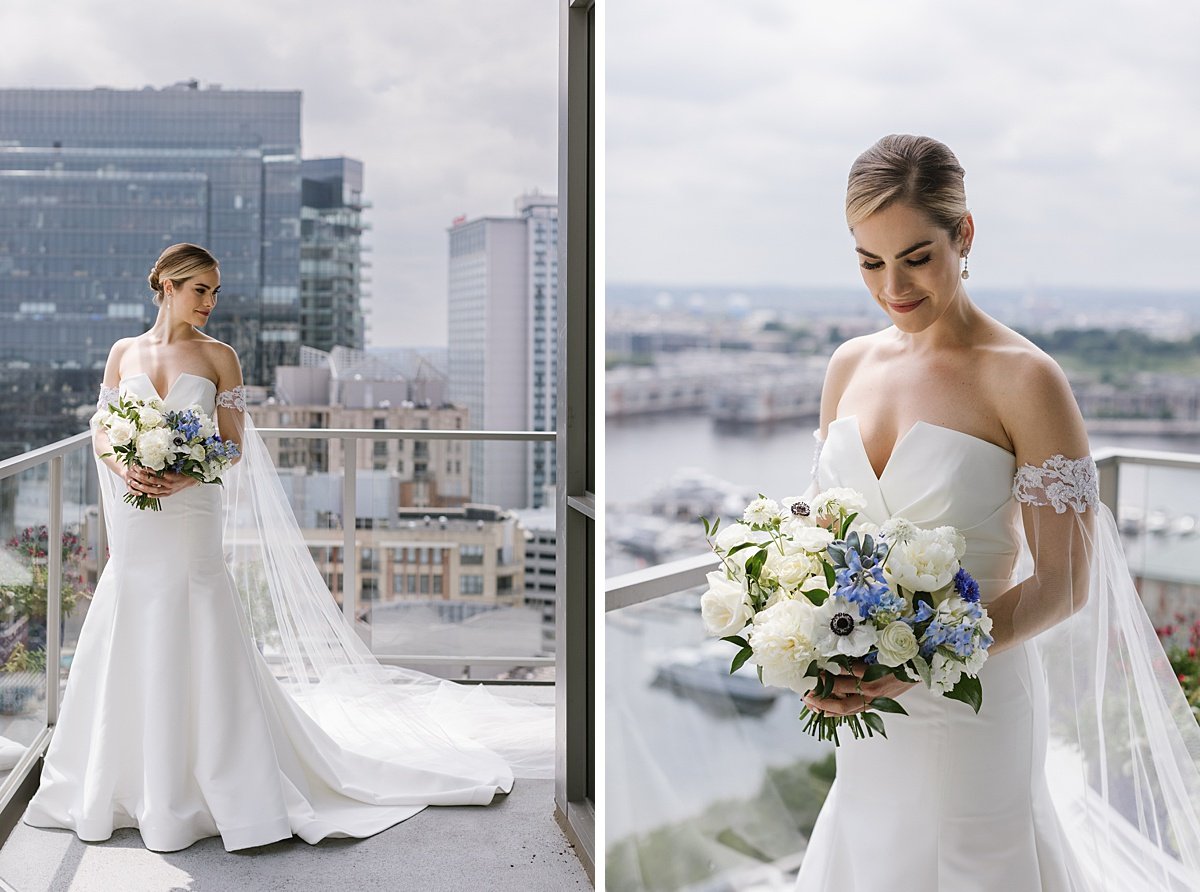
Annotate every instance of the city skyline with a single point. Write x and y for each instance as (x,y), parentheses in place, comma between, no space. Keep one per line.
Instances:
(412,92)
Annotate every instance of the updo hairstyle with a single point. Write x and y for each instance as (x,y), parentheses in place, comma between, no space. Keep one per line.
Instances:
(915,170)
(177,264)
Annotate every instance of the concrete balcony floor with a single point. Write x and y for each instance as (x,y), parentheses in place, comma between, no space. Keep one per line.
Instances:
(512,844)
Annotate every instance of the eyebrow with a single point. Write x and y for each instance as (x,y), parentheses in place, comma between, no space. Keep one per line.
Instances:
(917,247)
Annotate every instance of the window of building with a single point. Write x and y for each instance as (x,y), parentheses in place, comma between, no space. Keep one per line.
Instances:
(471,584)
(470,554)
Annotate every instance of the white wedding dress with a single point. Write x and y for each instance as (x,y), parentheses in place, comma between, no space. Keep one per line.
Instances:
(952,801)
(174,723)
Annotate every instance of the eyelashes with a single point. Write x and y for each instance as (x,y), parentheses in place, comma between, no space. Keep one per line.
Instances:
(867,264)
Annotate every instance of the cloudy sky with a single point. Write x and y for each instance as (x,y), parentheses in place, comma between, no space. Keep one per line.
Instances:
(451,105)
(731,127)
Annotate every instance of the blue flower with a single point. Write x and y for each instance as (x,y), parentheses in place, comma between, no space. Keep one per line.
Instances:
(966,586)
(924,612)
(861,583)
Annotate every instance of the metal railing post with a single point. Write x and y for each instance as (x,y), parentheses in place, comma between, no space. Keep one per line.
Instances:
(349,529)
(54,549)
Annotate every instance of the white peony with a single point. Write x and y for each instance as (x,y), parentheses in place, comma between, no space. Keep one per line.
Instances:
(149,418)
(897,644)
(207,428)
(928,561)
(840,631)
(829,502)
(120,430)
(154,448)
(782,640)
(762,511)
(725,607)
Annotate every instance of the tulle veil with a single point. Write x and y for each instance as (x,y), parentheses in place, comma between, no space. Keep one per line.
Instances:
(386,712)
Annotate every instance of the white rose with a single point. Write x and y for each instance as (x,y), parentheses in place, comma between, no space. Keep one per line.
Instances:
(782,640)
(897,644)
(790,569)
(154,447)
(734,535)
(198,452)
(927,562)
(762,511)
(149,418)
(840,631)
(814,540)
(725,607)
(120,430)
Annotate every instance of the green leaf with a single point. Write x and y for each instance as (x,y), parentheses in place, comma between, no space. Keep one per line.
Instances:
(846,525)
(876,671)
(704,520)
(969,691)
(923,669)
(754,564)
(736,639)
(837,553)
(830,576)
(875,722)
(887,704)
(742,546)
(740,660)
(814,671)
(716,523)
(817,596)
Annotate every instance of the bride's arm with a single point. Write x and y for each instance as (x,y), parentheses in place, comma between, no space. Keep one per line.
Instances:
(230,418)
(112,380)
(1043,421)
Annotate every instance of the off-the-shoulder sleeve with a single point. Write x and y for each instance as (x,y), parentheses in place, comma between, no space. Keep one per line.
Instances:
(235,398)
(107,395)
(1059,482)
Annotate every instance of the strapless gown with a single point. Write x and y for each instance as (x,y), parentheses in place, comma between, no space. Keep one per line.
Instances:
(951,801)
(172,721)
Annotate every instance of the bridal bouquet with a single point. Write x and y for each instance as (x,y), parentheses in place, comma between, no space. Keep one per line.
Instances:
(806,592)
(186,442)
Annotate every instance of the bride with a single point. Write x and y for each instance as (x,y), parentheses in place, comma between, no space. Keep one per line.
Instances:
(1080,771)
(216,688)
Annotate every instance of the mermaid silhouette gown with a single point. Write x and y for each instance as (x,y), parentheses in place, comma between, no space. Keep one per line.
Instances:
(950,800)
(173,723)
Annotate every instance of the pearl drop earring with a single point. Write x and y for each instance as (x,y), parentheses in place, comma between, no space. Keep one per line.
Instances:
(966,273)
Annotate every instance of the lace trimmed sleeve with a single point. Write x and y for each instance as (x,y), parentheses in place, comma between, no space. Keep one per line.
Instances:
(1059,482)
(234,398)
(107,395)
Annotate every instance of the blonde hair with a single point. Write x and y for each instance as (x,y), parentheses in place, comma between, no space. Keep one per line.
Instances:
(914,170)
(177,264)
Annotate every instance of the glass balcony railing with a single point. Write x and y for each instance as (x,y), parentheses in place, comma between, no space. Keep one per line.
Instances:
(411,597)
(710,785)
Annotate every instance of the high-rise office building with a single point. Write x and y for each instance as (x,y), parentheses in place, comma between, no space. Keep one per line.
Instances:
(95,183)
(331,261)
(503,363)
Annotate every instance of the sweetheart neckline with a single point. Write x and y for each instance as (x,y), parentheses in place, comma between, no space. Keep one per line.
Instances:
(905,436)
(170,389)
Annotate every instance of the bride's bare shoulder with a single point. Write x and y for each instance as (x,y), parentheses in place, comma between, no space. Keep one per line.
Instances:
(1034,398)
(225,361)
(842,364)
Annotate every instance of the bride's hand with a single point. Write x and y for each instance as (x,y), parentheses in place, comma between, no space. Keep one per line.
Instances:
(143,481)
(851,695)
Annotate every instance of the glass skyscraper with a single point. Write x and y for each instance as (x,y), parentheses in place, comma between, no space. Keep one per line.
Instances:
(95,183)
(331,262)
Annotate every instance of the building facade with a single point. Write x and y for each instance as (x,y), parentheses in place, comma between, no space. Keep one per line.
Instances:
(502,313)
(95,183)
(331,253)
